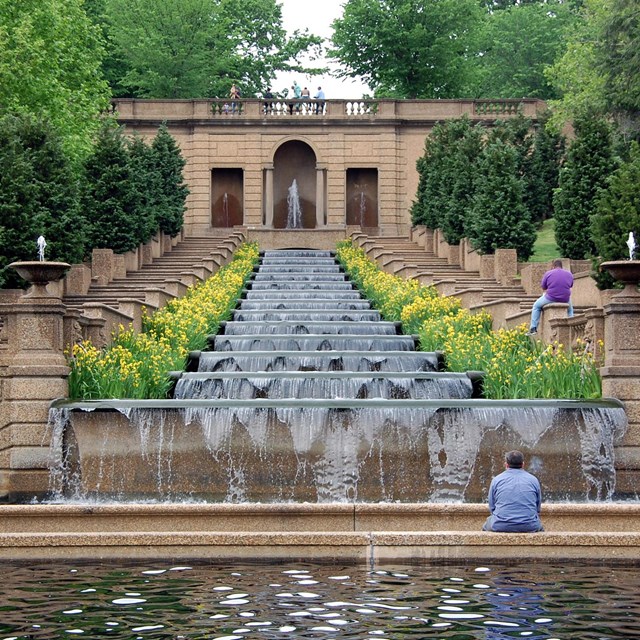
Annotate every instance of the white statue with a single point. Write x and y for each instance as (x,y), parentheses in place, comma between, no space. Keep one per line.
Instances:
(42,243)
(631,243)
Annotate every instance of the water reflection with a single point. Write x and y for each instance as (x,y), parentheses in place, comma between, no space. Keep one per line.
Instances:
(310,601)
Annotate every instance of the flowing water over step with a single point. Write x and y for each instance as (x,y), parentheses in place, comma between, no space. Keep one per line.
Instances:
(307,395)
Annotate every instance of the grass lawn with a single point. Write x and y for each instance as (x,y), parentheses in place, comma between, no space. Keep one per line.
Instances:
(545,247)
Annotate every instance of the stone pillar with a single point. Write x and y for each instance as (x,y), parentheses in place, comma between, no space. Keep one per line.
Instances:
(268,197)
(621,377)
(320,173)
(36,373)
(505,266)
(102,265)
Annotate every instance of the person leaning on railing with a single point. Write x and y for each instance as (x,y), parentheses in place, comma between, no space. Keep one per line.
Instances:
(320,98)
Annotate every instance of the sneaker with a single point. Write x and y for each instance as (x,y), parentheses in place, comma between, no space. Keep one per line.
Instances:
(532,332)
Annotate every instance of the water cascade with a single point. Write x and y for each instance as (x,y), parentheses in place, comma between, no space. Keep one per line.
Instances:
(294,210)
(308,395)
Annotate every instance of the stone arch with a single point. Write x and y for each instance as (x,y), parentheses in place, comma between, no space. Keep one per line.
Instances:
(295,160)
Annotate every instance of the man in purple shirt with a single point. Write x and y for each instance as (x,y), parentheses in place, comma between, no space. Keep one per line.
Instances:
(515,499)
(556,284)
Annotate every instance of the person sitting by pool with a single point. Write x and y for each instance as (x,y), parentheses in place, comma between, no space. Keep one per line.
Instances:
(515,499)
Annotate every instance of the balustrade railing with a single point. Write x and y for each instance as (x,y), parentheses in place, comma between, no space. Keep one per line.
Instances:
(497,107)
(289,108)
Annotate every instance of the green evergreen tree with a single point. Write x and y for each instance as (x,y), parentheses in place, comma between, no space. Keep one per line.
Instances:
(38,196)
(617,212)
(169,164)
(543,171)
(145,179)
(499,218)
(110,199)
(461,165)
(588,164)
(435,183)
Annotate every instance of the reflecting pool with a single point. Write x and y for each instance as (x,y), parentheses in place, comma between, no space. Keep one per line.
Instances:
(231,602)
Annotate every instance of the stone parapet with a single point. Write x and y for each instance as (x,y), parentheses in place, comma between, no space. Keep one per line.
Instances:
(356,533)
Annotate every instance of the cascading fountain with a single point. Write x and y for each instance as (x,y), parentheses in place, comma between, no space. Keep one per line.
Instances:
(225,208)
(308,395)
(294,209)
(363,208)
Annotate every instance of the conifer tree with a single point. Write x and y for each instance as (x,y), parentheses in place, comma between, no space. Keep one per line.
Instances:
(498,218)
(587,166)
(110,199)
(38,196)
(543,171)
(617,212)
(432,191)
(461,167)
(146,183)
(169,164)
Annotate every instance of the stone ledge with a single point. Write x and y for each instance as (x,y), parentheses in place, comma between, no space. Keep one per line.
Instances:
(353,547)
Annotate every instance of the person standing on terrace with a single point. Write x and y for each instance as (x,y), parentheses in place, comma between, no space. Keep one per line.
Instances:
(556,286)
(515,499)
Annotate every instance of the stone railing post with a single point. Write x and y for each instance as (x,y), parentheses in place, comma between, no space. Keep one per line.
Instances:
(505,266)
(36,373)
(621,371)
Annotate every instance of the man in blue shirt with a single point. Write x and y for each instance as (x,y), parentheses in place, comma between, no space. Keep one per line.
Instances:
(515,499)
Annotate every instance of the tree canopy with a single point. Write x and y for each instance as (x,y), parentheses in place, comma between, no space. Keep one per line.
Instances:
(197,48)
(50,56)
(409,48)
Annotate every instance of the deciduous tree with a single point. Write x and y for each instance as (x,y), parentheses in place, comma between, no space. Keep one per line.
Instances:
(50,56)
(409,48)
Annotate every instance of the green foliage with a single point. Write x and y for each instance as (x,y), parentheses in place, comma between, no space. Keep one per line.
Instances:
(197,48)
(517,44)
(172,196)
(543,170)
(146,183)
(587,166)
(50,56)
(617,212)
(447,177)
(38,196)
(110,200)
(618,59)
(574,74)
(499,218)
(408,48)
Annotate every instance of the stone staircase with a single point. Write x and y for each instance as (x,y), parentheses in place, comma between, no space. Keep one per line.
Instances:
(117,295)
(489,283)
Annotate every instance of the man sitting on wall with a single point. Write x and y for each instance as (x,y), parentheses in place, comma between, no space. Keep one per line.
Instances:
(556,286)
(515,499)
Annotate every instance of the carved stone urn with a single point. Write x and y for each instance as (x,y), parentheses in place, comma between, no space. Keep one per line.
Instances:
(39,273)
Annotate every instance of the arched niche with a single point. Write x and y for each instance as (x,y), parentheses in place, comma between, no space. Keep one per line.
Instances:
(226,197)
(362,197)
(294,160)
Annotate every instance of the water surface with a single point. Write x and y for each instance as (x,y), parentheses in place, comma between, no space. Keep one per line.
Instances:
(231,602)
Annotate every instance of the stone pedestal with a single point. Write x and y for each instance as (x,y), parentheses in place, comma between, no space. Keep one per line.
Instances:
(621,371)
(36,373)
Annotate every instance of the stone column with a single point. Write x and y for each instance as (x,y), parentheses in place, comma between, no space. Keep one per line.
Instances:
(621,371)
(35,374)
(320,172)
(268,197)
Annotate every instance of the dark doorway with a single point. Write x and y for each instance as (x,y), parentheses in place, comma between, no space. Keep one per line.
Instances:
(294,185)
(226,197)
(362,197)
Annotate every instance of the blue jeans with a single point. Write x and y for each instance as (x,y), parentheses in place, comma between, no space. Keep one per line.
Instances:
(541,302)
